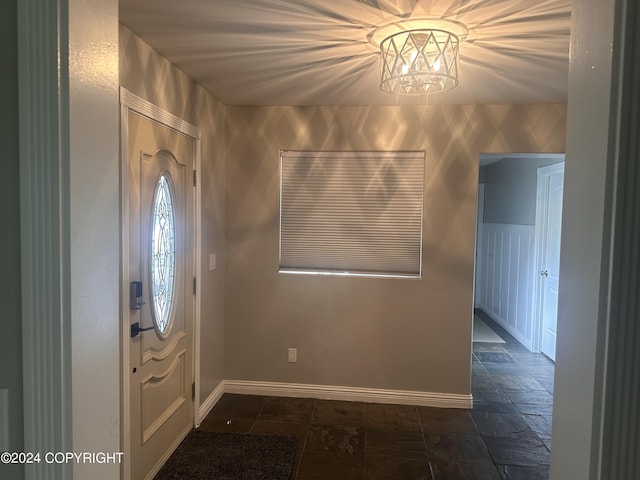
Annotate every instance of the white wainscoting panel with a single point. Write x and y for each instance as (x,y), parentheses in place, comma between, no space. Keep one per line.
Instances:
(506,280)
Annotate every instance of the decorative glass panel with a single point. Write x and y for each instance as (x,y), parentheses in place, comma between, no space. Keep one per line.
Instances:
(163,250)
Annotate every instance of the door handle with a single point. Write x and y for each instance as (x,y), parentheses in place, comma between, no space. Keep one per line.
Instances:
(544,272)
(135,329)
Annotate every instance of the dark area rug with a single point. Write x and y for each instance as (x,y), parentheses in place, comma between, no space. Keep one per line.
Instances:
(231,456)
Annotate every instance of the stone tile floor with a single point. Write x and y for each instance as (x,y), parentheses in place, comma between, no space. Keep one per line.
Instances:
(507,435)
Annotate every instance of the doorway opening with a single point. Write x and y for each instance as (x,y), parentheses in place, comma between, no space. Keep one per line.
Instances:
(517,241)
(518,245)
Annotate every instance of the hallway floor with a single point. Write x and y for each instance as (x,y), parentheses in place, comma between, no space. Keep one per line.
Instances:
(507,435)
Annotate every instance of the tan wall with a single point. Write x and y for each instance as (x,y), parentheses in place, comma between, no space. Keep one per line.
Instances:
(150,76)
(378,333)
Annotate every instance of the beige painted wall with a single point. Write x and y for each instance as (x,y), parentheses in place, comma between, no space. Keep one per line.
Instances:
(378,333)
(147,74)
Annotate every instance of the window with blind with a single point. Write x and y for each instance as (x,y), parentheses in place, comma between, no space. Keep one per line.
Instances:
(351,213)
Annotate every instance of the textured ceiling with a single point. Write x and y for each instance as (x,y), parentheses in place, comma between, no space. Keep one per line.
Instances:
(317,52)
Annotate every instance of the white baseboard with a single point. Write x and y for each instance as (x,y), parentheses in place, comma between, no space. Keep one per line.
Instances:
(330,392)
(210,402)
(514,333)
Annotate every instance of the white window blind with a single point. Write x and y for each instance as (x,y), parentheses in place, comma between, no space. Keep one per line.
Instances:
(351,212)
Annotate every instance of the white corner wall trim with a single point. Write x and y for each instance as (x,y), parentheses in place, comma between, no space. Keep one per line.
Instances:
(352,394)
(210,402)
(45,219)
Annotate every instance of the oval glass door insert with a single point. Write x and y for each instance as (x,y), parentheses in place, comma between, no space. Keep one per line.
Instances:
(163,255)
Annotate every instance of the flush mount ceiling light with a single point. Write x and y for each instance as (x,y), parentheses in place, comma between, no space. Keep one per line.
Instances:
(419,57)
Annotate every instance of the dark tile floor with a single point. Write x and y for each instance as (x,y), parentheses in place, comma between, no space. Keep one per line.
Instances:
(507,435)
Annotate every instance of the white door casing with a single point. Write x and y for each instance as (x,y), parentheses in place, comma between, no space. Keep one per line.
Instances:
(160,156)
(548,238)
(477,276)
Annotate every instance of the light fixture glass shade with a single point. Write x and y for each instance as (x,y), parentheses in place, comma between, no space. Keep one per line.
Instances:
(419,62)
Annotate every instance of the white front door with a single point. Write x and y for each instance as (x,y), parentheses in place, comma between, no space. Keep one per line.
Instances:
(161,259)
(550,264)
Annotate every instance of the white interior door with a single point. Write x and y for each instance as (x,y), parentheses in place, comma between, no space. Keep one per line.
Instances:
(161,258)
(550,260)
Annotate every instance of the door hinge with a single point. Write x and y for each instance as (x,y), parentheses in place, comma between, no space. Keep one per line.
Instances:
(195,178)
(193,391)
(194,285)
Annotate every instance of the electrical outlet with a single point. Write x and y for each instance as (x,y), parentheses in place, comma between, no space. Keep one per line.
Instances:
(293,355)
(212,261)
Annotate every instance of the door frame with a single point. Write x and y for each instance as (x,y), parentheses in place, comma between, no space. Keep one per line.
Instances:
(130,102)
(477,264)
(542,214)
